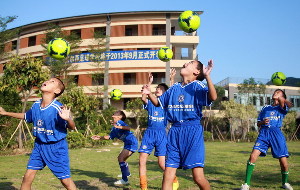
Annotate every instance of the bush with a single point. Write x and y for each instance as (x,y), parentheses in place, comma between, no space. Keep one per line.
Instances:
(207,136)
(252,136)
(76,140)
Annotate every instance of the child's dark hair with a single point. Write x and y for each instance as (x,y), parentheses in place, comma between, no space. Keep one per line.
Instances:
(61,87)
(164,86)
(121,113)
(200,68)
(283,92)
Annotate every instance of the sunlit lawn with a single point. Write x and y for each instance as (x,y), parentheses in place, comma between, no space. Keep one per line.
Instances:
(97,168)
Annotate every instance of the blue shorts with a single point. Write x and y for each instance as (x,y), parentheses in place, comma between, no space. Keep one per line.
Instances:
(185,146)
(54,155)
(271,137)
(131,143)
(154,138)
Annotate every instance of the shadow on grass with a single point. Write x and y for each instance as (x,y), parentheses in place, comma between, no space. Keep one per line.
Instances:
(7,186)
(103,178)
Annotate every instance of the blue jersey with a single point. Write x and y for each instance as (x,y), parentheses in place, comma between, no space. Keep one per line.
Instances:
(119,133)
(48,126)
(185,103)
(274,113)
(156,116)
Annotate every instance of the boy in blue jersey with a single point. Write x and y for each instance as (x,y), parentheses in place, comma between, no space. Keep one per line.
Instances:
(51,120)
(183,103)
(270,121)
(122,131)
(155,136)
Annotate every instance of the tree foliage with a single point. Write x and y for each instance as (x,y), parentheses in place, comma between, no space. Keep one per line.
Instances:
(135,106)
(25,74)
(221,94)
(238,115)
(6,35)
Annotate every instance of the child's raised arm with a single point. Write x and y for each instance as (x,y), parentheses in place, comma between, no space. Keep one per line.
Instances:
(12,114)
(146,90)
(212,94)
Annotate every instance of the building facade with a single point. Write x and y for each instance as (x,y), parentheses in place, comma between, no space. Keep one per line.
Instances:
(132,41)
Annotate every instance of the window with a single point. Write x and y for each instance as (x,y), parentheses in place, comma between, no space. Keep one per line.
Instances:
(32,41)
(292,100)
(159,30)
(158,78)
(76,32)
(173,30)
(143,48)
(125,102)
(297,102)
(100,31)
(131,30)
(268,100)
(261,101)
(129,78)
(75,79)
(14,45)
(254,98)
(116,50)
(98,79)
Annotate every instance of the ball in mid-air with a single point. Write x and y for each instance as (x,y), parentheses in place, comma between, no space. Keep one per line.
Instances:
(165,54)
(58,48)
(116,94)
(189,21)
(278,78)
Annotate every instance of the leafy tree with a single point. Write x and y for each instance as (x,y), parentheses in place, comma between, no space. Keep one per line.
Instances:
(221,94)
(85,107)
(238,115)
(135,106)
(24,74)
(250,87)
(289,124)
(5,34)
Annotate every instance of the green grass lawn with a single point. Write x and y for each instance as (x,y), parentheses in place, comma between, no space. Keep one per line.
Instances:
(93,168)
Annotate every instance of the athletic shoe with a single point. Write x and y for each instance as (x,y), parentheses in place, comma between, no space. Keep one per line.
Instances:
(120,175)
(245,187)
(121,182)
(175,185)
(287,186)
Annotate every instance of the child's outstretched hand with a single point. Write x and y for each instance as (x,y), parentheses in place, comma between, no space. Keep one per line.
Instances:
(2,111)
(65,113)
(96,137)
(207,70)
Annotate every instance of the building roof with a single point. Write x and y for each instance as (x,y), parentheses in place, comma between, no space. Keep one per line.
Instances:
(102,14)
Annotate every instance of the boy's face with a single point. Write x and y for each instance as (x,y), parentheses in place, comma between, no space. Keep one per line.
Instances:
(277,94)
(189,69)
(159,91)
(51,85)
(116,117)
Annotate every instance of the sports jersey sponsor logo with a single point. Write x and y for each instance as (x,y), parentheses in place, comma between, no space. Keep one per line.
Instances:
(272,113)
(155,113)
(257,144)
(180,98)
(40,123)
(159,119)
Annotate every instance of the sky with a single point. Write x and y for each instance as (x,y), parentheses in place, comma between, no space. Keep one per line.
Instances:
(245,38)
